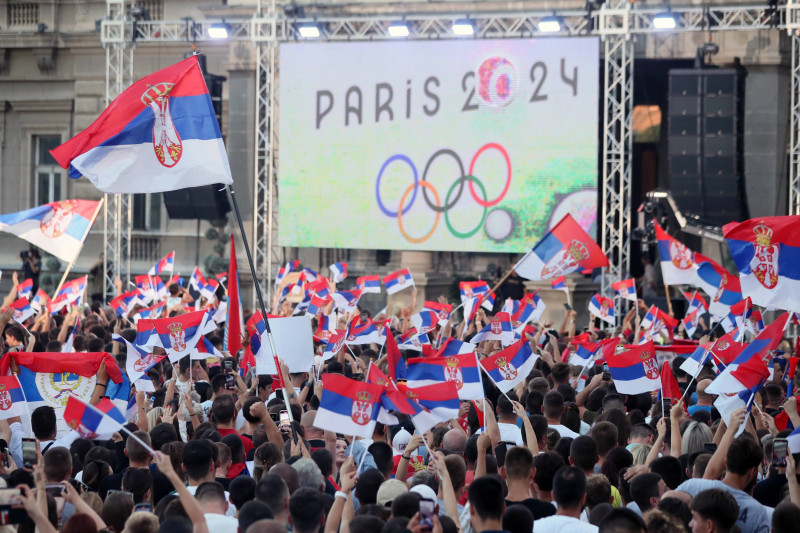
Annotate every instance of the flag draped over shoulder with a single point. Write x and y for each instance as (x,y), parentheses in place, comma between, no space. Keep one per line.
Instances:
(58,228)
(160,134)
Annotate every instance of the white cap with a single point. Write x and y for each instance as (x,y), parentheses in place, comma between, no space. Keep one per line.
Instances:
(401,440)
(425,491)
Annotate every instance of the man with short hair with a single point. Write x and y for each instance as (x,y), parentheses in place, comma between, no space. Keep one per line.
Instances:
(57,466)
(569,491)
(272,490)
(704,400)
(264,387)
(715,511)
(200,467)
(646,490)
(545,467)
(507,422)
(519,473)
(214,501)
(605,434)
(224,411)
(553,408)
(583,454)
(613,401)
(785,518)
(486,504)
(622,521)
(138,457)
(641,434)
(306,511)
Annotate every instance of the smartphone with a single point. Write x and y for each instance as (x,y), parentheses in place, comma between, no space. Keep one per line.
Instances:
(423,452)
(228,367)
(146,507)
(10,497)
(56,490)
(606,373)
(285,420)
(28,452)
(567,306)
(426,510)
(780,449)
(274,417)
(667,406)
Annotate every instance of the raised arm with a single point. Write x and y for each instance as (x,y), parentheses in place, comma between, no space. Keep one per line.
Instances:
(717,463)
(190,504)
(675,425)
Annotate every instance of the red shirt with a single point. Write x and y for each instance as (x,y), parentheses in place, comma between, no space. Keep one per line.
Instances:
(248,444)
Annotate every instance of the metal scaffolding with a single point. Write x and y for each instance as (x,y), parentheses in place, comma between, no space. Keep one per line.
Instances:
(117,212)
(615,22)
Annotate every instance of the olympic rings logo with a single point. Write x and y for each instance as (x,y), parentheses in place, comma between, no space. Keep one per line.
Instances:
(451,198)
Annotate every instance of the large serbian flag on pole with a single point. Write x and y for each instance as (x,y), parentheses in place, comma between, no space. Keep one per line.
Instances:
(58,228)
(767,254)
(160,134)
(564,249)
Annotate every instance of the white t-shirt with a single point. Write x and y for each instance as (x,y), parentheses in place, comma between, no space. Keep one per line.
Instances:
(231,508)
(562,524)
(510,433)
(564,431)
(221,524)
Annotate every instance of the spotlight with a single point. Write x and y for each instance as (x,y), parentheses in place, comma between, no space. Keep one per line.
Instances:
(463,27)
(308,31)
(665,21)
(549,24)
(398,29)
(218,31)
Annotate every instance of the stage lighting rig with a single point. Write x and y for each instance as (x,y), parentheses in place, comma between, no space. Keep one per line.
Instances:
(665,21)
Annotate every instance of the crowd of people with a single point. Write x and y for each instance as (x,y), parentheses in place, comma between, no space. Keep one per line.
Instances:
(562,452)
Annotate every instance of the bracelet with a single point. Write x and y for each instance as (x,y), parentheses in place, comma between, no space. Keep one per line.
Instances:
(406,458)
(192,414)
(101,384)
(340,494)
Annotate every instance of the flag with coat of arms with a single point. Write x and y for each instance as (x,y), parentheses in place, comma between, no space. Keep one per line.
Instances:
(510,366)
(178,335)
(635,370)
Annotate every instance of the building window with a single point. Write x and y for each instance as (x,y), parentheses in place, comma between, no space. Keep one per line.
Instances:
(146,9)
(23,14)
(147,211)
(48,176)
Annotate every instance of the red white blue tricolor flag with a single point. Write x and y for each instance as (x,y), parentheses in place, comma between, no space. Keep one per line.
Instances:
(58,228)
(510,367)
(160,134)
(348,406)
(166,263)
(12,399)
(498,329)
(397,281)
(462,369)
(636,370)
(626,289)
(25,289)
(563,250)
(96,422)
(369,284)
(767,253)
(178,335)
(560,284)
(338,271)
(602,308)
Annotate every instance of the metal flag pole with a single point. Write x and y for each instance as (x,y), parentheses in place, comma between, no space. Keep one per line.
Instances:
(261,303)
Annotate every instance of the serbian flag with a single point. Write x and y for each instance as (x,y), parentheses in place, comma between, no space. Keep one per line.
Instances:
(12,399)
(178,335)
(696,302)
(23,310)
(526,312)
(316,304)
(234,322)
(690,322)
(697,359)
(123,303)
(397,365)
(391,398)
(257,330)
(25,289)
(726,404)
(677,261)
(197,281)
(210,288)
(740,374)
(41,300)
(154,311)
(58,228)
(160,134)
(722,287)
(635,370)
(534,300)
(397,281)
(70,342)
(248,363)
(510,366)
(655,320)
(367,284)
(286,269)
(442,311)
(348,406)
(725,350)
(453,346)
(511,306)
(137,361)
(425,321)
(410,340)
(626,289)
(94,422)
(326,326)
(755,324)
(318,288)
(560,284)
(738,317)
(47,378)
(205,349)
(462,369)
(563,250)
(335,343)
(346,300)
(472,289)
(602,308)
(439,403)
(365,333)
(765,251)
(338,271)
(146,286)
(166,263)
(310,274)
(498,329)
(72,290)
(587,352)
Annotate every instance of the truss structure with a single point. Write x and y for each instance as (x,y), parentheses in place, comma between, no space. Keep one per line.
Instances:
(117,212)
(615,22)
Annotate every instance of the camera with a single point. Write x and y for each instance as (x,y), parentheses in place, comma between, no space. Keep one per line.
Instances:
(24,254)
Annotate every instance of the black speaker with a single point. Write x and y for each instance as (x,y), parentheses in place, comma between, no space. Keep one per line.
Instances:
(208,202)
(706,148)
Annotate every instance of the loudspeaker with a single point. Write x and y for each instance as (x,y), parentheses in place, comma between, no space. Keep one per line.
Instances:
(706,150)
(208,202)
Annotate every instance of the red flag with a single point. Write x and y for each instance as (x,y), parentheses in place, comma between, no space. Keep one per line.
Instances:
(669,385)
(397,366)
(83,364)
(478,412)
(234,323)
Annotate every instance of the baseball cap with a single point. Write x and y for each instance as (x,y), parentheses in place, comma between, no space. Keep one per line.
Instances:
(425,491)
(389,490)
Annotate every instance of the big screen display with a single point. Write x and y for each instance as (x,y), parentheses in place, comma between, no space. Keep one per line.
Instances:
(467,145)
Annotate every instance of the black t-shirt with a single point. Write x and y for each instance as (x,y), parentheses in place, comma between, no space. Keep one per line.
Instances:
(538,508)
(769,491)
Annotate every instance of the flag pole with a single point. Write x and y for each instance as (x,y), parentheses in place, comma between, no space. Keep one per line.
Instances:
(260,297)
(493,381)
(72,263)
(669,300)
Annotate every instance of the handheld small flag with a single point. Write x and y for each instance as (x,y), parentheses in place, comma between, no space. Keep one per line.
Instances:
(369,284)
(94,422)
(397,365)
(23,310)
(338,272)
(461,369)
(602,308)
(397,281)
(25,289)
(498,329)
(560,284)
(442,311)
(510,367)
(166,263)
(137,361)
(12,399)
(178,335)
(626,289)
(635,370)
(348,406)
(346,300)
